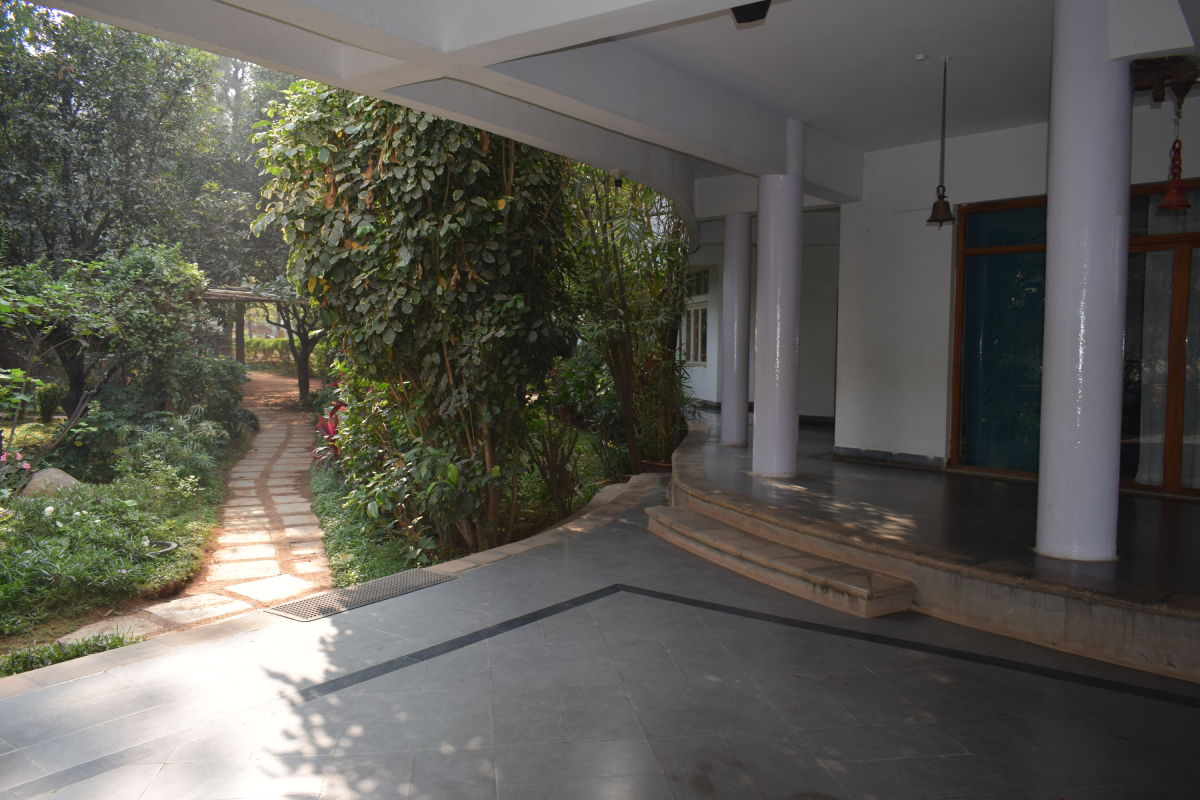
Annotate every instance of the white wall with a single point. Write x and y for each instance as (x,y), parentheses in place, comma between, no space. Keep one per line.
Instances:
(896,276)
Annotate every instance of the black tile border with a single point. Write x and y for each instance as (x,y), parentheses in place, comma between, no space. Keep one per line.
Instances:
(146,751)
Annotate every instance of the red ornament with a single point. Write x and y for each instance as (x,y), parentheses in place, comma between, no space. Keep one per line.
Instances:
(1175,198)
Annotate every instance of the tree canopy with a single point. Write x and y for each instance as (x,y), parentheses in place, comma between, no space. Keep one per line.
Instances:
(92,123)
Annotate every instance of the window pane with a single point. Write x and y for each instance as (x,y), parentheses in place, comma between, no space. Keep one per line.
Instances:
(1191,391)
(687,335)
(1147,338)
(1003,228)
(1002,360)
(704,333)
(1145,218)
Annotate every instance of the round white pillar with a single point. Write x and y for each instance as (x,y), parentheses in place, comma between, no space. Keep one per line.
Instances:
(1087,258)
(735,331)
(777,325)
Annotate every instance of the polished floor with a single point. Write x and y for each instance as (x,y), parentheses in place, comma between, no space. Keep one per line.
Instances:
(609,665)
(1158,538)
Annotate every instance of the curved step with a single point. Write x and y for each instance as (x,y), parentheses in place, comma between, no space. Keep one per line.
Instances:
(822,580)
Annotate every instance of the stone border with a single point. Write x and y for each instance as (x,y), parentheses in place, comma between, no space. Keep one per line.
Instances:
(609,502)
(1135,626)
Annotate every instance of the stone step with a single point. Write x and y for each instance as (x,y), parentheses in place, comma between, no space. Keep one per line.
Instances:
(831,583)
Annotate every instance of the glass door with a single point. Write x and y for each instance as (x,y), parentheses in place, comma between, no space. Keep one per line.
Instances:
(999,320)
(1147,363)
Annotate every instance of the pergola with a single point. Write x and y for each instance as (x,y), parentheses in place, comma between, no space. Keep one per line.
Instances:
(240,296)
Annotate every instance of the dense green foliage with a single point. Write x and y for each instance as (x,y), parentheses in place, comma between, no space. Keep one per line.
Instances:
(43,655)
(91,543)
(629,255)
(49,399)
(125,331)
(434,254)
(93,120)
(110,138)
(358,548)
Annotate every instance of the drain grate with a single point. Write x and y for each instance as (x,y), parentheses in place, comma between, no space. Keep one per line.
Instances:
(329,603)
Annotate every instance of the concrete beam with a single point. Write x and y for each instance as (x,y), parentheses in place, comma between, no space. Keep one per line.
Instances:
(668,172)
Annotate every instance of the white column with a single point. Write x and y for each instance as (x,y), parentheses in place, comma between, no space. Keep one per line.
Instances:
(1087,257)
(735,331)
(777,314)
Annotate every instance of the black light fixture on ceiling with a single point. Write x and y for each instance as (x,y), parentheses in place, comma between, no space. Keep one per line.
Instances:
(941,207)
(751,12)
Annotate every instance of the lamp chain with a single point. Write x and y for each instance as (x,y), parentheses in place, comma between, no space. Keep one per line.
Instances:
(942,161)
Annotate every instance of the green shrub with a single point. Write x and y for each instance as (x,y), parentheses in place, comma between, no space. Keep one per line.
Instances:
(215,384)
(90,452)
(49,398)
(189,444)
(43,655)
(357,547)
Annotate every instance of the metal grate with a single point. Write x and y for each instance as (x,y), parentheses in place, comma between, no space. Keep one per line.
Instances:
(327,604)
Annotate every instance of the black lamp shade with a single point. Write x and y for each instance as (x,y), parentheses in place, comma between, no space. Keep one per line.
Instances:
(751,12)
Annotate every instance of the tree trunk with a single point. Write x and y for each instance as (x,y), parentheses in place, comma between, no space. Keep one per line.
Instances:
(73,359)
(621,366)
(302,376)
(239,347)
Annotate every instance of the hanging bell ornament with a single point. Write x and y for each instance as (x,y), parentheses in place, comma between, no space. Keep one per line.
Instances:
(941,209)
(1175,198)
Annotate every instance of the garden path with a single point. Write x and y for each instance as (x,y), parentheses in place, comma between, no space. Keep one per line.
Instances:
(268,548)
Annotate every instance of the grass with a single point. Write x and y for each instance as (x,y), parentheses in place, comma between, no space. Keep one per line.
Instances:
(355,555)
(43,655)
(30,434)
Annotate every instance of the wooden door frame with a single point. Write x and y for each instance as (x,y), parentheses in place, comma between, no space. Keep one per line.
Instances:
(1181,243)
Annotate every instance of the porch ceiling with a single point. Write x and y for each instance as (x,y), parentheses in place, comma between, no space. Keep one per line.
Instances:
(669,91)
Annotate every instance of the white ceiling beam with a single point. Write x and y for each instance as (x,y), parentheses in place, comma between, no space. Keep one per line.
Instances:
(666,171)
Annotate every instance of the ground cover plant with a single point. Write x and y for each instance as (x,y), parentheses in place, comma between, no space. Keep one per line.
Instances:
(43,655)
(88,545)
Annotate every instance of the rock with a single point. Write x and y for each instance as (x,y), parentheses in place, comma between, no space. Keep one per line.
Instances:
(130,626)
(48,481)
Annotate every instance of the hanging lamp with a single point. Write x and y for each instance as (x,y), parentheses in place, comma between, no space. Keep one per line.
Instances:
(1175,198)
(1179,73)
(941,207)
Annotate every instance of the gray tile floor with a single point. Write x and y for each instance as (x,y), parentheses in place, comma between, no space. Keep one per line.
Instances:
(625,696)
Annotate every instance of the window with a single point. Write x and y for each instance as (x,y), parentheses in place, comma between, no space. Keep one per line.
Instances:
(698,283)
(999,323)
(695,334)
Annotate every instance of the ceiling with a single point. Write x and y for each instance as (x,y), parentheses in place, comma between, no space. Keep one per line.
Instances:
(848,67)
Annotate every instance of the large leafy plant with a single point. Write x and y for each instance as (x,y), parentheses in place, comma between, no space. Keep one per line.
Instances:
(433,251)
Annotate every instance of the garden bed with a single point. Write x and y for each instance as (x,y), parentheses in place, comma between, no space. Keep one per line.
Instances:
(57,579)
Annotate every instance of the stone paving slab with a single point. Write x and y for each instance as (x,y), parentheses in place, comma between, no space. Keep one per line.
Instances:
(244,538)
(197,607)
(128,626)
(303,531)
(243,501)
(307,548)
(300,519)
(242,570)
(269,590)
(245,552)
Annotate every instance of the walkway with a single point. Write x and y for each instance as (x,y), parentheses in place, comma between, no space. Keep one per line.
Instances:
(608,664)
(268,548)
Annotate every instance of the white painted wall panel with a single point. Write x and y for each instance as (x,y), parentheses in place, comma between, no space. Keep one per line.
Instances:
(896,276)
